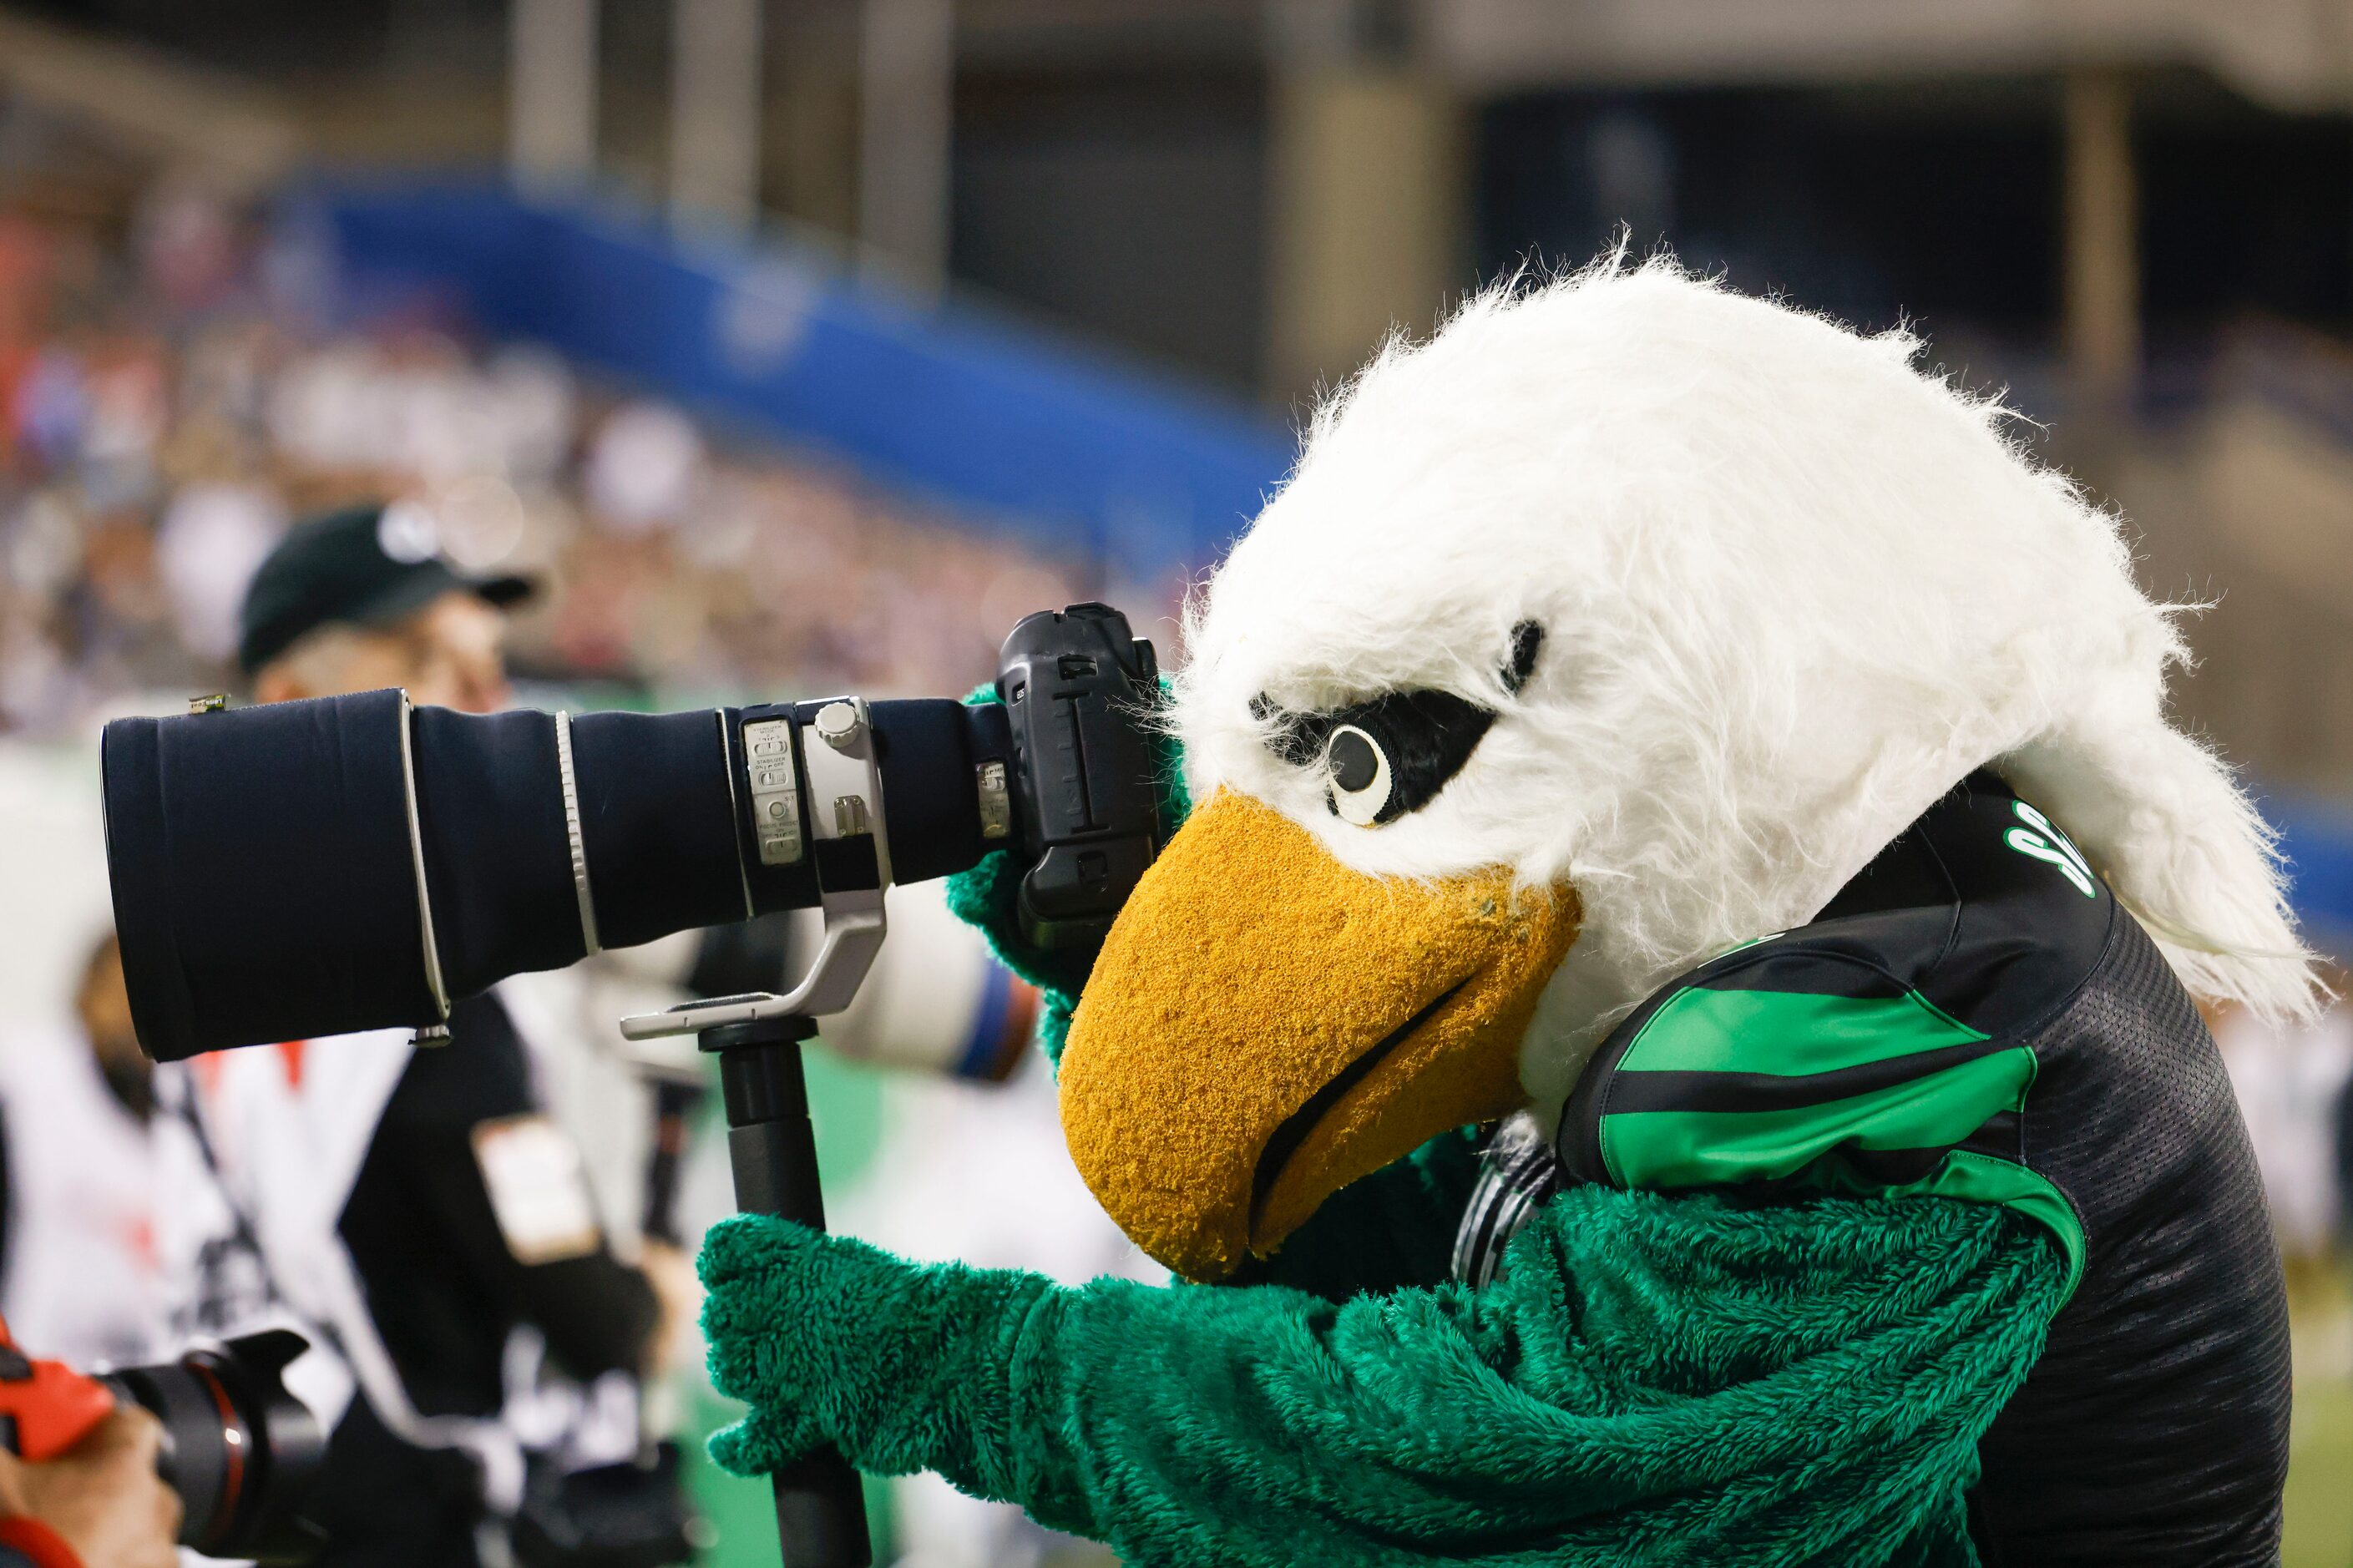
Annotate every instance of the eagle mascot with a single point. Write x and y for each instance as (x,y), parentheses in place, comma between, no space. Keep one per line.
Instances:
(1665,1034)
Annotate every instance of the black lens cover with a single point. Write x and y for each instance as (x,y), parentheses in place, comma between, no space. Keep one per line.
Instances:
(264,881)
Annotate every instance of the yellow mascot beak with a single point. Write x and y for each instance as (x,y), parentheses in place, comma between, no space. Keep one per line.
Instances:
(1265,1026)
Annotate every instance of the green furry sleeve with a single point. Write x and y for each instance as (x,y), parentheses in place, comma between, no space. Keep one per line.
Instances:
(1648,1380)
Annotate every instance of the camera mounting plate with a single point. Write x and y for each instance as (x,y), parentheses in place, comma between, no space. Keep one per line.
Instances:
(854,929)
(844,773)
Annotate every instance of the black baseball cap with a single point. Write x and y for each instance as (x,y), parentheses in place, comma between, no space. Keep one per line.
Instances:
(366,566)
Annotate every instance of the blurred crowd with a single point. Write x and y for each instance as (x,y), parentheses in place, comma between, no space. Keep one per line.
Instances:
(172,397)
(2295,1088)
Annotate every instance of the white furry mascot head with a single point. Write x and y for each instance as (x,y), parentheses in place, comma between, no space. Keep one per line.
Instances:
(1712,598)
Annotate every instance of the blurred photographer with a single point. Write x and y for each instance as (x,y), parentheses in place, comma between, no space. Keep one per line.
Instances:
(80,1275)
(417,1204)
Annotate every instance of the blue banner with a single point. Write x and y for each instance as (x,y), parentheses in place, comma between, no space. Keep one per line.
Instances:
(1079,451)
(2317,836)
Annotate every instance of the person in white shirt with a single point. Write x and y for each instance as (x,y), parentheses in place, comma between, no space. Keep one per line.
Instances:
(80,1277)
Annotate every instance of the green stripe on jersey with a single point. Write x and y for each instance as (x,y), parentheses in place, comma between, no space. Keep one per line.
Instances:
(1979,1178)
(1787,1033)
(1670,1148)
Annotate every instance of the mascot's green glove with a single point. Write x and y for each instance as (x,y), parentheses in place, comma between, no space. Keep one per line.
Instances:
(1647,1380)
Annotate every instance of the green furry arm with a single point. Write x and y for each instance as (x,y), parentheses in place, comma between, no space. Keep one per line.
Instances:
(1648,1380)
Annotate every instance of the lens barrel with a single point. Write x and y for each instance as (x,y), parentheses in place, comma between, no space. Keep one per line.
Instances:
(318,867)
(239,1450)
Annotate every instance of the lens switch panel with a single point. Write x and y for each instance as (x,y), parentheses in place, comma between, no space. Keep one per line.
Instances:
(775,791)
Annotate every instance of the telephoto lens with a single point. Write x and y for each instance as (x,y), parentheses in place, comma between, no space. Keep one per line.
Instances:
(239,1450)
(310,868)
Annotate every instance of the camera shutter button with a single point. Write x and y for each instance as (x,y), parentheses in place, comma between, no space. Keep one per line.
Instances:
(837,723)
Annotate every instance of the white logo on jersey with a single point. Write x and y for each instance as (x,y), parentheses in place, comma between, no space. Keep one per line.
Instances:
(2044,841)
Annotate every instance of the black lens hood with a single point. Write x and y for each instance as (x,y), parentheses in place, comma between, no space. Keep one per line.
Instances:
(263,874)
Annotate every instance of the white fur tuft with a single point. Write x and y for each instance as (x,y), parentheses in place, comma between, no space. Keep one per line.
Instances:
(1792,590)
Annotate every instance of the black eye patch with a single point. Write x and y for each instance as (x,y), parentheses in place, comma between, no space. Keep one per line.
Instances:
(1422,737)
(1527,641)
(1426,737)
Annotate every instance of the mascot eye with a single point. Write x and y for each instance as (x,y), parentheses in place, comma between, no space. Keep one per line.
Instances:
(1391,755)
(1384,758)
(1359,771)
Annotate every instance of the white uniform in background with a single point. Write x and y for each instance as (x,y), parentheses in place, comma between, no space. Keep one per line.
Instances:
(597,1089)
(84,1281)
(260,1177)
(2288,1082)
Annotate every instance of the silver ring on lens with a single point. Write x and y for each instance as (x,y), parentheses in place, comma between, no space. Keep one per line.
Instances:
(727,768)
(417,858)
(573,834)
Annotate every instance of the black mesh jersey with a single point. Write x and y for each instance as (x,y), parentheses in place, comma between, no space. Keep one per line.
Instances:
(1974,1017)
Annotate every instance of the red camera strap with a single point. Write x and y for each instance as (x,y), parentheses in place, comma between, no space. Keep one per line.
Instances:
(37,1540)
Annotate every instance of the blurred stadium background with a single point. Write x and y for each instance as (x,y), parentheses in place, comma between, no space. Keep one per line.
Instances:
(802,345)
